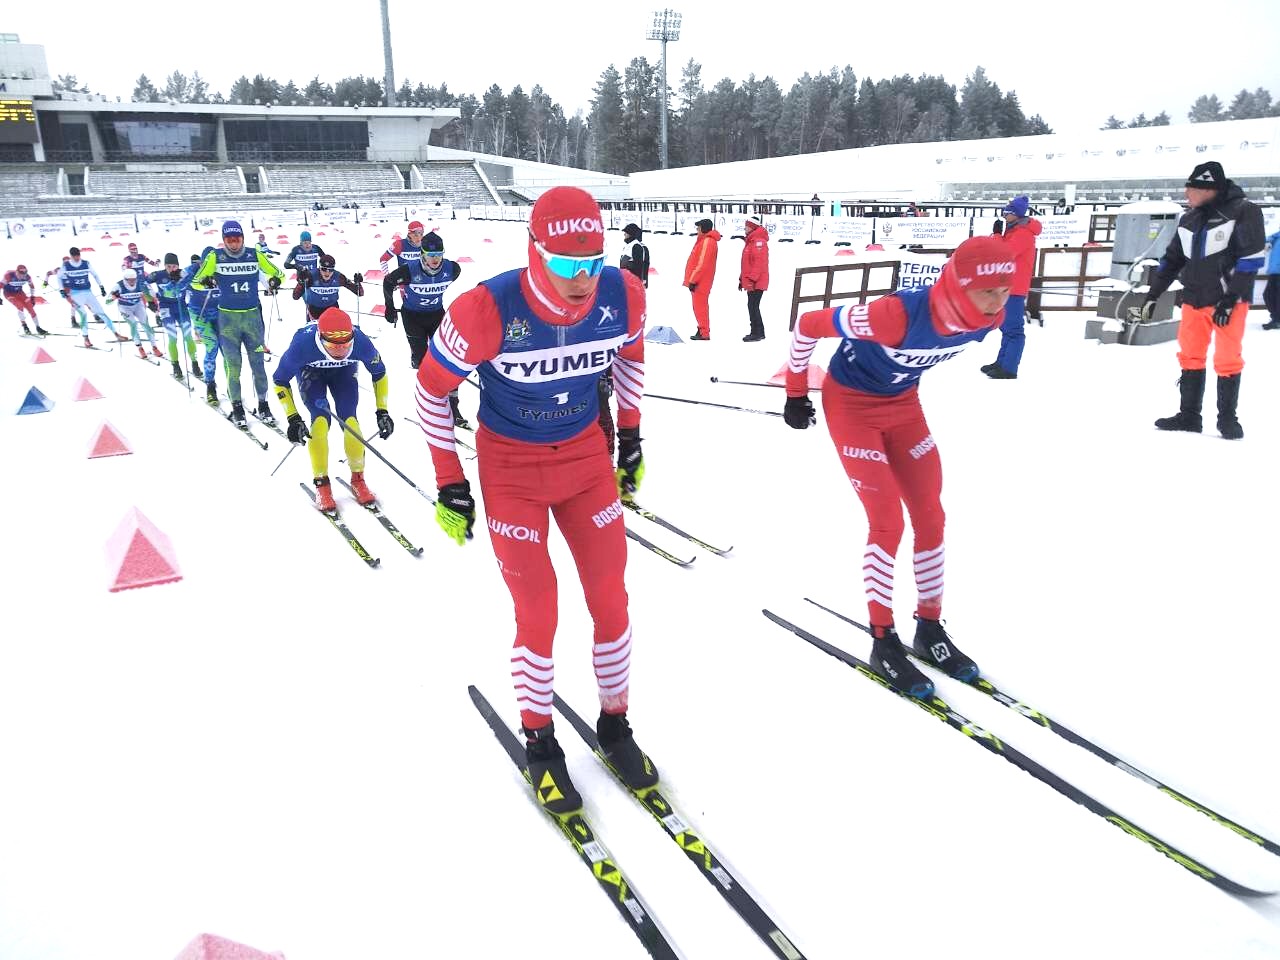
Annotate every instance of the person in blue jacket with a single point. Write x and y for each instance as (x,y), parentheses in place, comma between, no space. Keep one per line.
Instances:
(1271,293)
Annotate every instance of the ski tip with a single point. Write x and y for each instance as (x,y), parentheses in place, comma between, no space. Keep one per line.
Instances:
(715,379)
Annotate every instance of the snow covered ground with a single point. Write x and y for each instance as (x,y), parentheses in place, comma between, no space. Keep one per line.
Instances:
(280,748)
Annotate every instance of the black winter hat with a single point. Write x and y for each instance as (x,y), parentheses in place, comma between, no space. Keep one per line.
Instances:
(1208,176)
(432,241)
(632,230)
(170,258)
(706,226)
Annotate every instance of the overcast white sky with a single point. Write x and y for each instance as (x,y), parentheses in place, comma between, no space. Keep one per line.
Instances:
(1074,64)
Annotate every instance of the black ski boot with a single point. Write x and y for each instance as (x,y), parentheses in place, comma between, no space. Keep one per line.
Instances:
(1191,384)
(458,419)
(548,772)
(265,414)
(932,645)
(41,330)
(196,371)
(211,394)
(619,748)
(889,660)
(1228,396)
(26,331)
(177,372)
(997,372)
(237,416)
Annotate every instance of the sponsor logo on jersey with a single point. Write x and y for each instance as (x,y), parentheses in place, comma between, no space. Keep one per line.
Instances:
(923,357)
(609,514)
(515,531)
(864,453)
(562,228)
(606,314)
(555,363)
(923,447)
(237,269)
(517,330)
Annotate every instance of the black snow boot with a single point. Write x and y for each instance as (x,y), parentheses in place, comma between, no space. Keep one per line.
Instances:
(1191,383)
(1228,396)
(932,645)
(619,748)
(264,413)
(889,660)
(548,772)
(177,371)
(237,416)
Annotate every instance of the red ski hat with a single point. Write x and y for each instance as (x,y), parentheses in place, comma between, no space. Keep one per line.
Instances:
(133,248)
(981,263)
(22,268)
(334,325)
(416,225)
(567,220)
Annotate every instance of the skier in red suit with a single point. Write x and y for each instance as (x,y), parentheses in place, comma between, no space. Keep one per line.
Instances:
(539,339)
(874,416)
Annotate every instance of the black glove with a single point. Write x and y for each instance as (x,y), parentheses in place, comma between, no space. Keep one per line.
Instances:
(456,504)
(357,278)
(297,432)
(273,283)
(153,307)
(630,460)
(304,278)
(390,314)
(385,424)
(998,227)
(741,287)
(1222,309)
(102,291)
(210,281)
(693,287)
(798,413)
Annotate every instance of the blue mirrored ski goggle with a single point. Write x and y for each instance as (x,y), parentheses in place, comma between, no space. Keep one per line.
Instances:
(567,267)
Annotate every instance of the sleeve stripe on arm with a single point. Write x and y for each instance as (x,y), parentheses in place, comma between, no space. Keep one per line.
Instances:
(436,420)
(448,360)
(1250,264)
(628,382)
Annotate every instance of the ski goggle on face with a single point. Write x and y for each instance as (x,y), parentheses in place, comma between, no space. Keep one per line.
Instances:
(566,267)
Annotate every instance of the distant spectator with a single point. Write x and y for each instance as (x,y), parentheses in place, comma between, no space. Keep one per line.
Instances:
(1271,293)
(636,259)
(700,274)
(817,205)
(754,275)
(1020,232)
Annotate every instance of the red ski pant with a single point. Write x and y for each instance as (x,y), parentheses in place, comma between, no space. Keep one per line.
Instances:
(1197,328)
(887,452)
(22,303)
(702,308)
(523,484)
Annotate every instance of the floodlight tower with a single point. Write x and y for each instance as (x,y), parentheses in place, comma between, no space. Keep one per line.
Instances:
(390,78)
(666,28)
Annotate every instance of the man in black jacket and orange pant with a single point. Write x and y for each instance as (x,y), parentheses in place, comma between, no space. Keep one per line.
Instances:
(1216,253)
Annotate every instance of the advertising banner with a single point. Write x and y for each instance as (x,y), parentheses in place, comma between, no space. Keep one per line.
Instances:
(797,229)
(106,223)
(41,227)
(168,220)
(1064,231)
(919,270)
(855,231)
(947,232)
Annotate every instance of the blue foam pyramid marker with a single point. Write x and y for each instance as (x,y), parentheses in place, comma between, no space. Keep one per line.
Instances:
(662,335)
(35,402)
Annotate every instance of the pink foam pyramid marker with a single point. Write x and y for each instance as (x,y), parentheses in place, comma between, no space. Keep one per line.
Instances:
(139,555)
(84,390)
(108,442)
(42,356)
(208,946)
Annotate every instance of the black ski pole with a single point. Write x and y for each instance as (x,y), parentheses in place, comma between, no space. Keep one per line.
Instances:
(707,403)
(374,450)
(748,383)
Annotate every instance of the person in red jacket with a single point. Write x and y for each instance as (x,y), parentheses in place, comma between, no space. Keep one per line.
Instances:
(700,274)
(16,284)
(1019,233)
(754,276)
